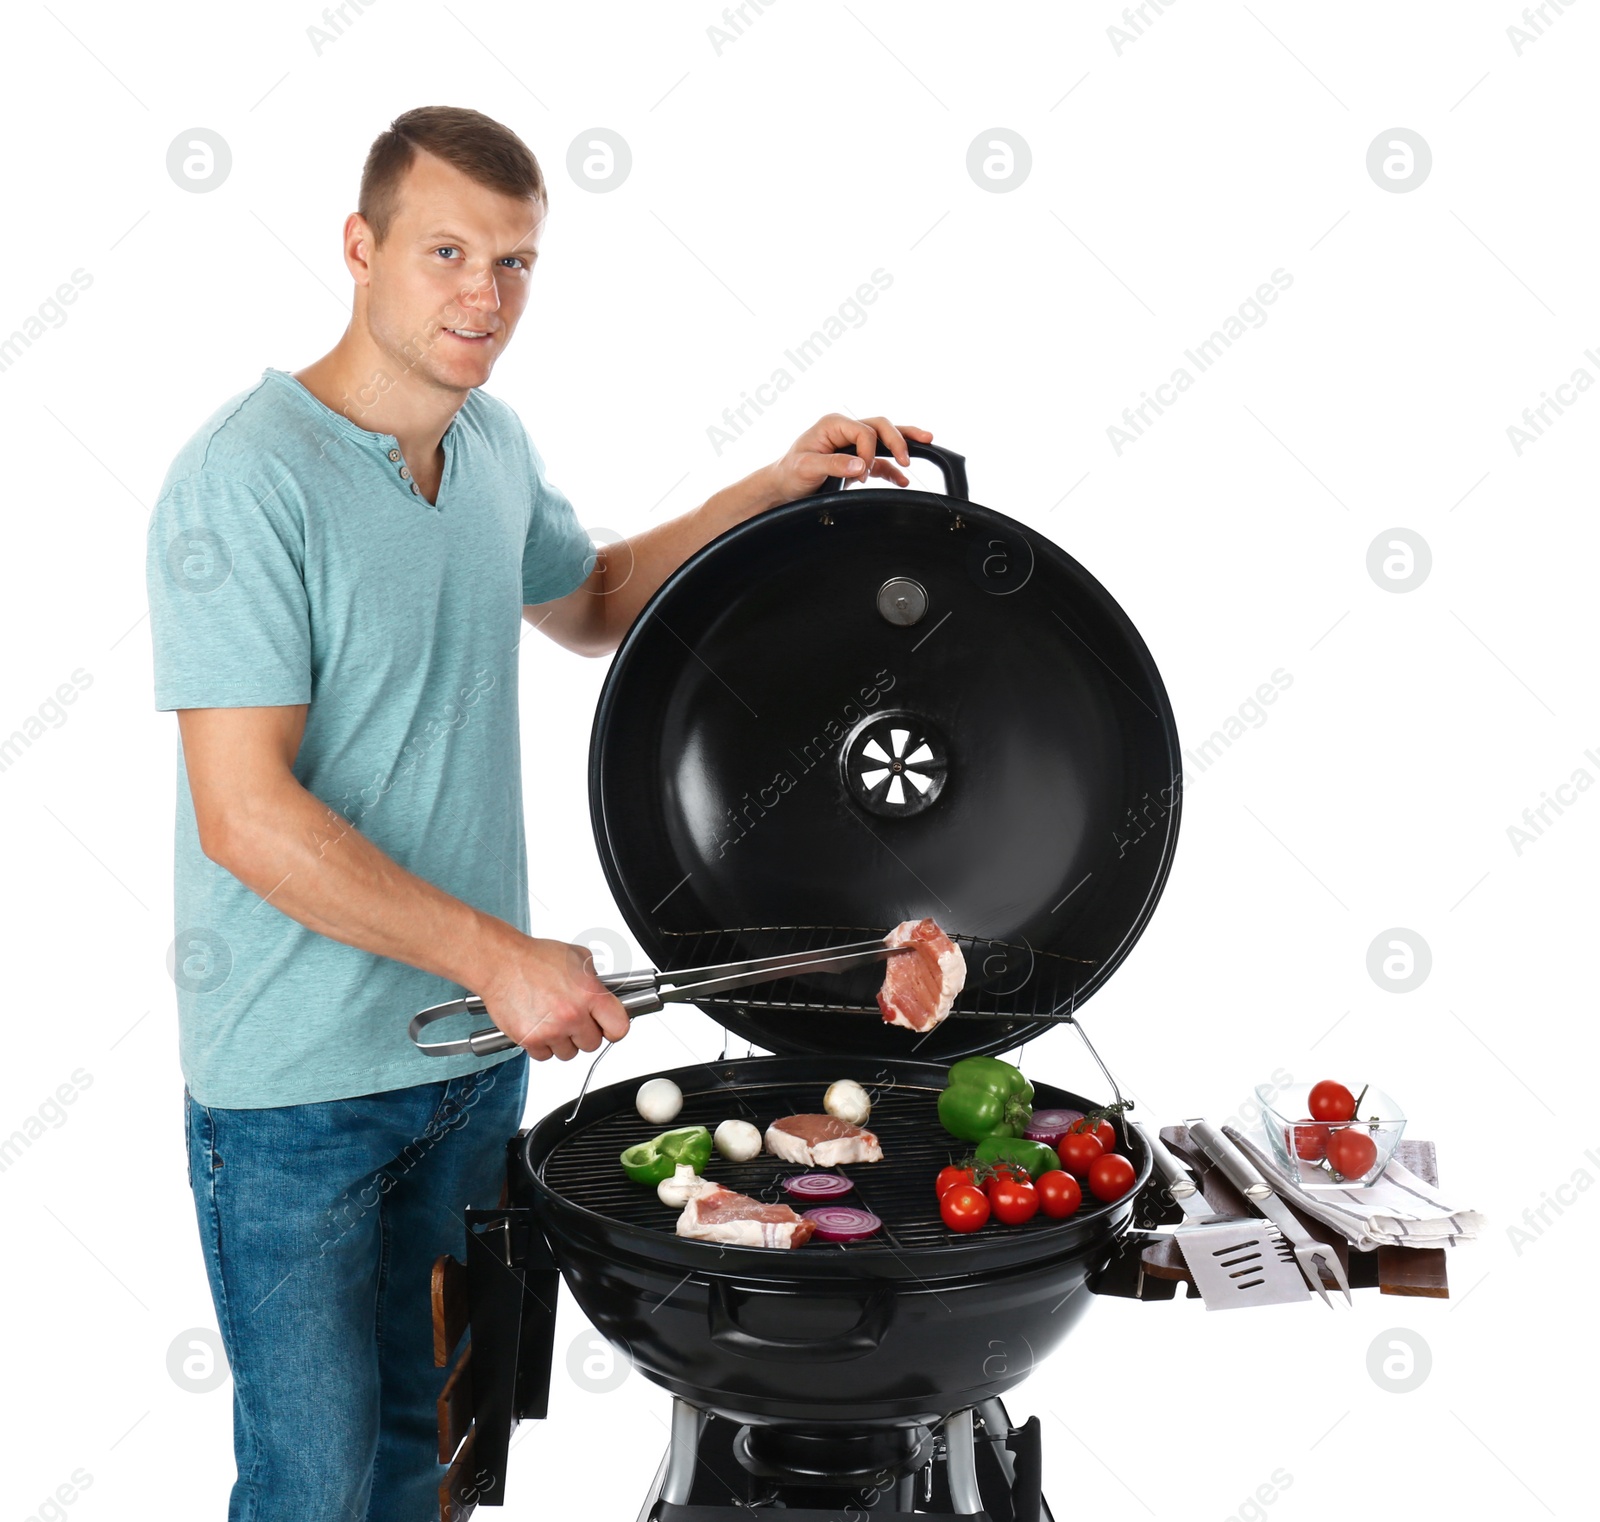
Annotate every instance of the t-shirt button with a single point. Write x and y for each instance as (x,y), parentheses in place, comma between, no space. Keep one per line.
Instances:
(405,475)
(414,491)
(394,454)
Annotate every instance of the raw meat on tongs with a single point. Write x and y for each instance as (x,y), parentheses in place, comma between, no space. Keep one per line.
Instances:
(717,1214)
(920,986)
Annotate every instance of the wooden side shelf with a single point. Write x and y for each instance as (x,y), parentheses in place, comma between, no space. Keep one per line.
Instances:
(449,1307)
(457,1497)
(455,1407)
(1390,1270)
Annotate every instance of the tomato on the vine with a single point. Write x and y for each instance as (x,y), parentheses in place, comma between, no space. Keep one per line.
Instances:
(1059,1194)
(1110,1176)
(1007,1170)
(1352,1152)
(1310,1142)
(964,1208)
(1078,1150)
(1100,1128)
(1331,1101)
(949,1178)
(1013,1198)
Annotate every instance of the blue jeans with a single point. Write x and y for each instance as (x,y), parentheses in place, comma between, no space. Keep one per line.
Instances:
(321,1224)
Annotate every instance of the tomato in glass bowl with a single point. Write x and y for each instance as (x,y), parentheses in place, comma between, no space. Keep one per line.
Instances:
(1321,1153)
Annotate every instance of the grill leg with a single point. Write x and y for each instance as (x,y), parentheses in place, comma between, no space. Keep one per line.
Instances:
(655,1489)
(961,1464)
(683,1453)
(998,1425)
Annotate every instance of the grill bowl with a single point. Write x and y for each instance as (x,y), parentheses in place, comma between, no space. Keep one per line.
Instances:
(900,1329)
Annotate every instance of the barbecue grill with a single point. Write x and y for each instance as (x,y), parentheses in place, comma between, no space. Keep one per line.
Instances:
(851,711)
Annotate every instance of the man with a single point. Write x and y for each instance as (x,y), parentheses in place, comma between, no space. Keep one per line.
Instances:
(339,564)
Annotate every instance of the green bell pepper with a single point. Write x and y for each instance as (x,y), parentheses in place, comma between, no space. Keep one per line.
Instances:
(650,1162)
(1037,1157)
(986,1097)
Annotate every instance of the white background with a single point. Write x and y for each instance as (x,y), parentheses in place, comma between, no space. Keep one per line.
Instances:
(770,179)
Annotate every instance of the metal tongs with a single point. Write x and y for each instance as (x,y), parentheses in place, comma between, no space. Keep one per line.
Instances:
(643,992)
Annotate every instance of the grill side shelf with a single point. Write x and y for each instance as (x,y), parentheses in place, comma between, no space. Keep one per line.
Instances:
(541,1289)
(512,1286)
(494,1288)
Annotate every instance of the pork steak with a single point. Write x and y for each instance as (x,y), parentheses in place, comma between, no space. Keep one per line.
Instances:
(717,1214)
(920,986)
(821,1141)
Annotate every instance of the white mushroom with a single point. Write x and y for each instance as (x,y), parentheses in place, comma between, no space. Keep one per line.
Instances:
(682,1187)
(737,1140)
(659,1101)
(848,1101)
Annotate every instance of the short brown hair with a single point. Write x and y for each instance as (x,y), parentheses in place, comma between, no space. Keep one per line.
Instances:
(476,144)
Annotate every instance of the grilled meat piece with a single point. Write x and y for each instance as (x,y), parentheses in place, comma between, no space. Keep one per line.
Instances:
(717,1214)
(821,1141)
(919,989)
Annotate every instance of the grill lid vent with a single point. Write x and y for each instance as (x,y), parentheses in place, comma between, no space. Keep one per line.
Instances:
(894,764)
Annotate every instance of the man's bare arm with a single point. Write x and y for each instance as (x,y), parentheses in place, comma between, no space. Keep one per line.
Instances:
(258,822)
(593,619)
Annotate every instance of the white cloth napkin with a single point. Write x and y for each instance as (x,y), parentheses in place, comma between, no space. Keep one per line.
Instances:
(1397,1209)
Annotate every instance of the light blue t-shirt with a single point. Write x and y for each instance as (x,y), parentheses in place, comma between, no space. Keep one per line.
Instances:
(292,560)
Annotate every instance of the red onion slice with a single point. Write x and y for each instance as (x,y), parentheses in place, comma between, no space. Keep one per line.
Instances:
(818,1186)
(843,1223)
(1048,1125)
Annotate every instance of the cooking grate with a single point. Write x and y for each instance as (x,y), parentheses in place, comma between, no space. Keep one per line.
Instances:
(1005,981)
(583,1167)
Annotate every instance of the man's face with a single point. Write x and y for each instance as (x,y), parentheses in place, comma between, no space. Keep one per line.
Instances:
(447,285)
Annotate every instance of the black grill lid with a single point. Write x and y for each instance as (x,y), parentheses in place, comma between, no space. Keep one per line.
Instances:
(762,708)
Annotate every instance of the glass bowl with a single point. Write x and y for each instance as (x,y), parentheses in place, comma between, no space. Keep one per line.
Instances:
(1300,1145)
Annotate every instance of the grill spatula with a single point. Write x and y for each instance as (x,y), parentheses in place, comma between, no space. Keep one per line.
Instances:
(1234,1262)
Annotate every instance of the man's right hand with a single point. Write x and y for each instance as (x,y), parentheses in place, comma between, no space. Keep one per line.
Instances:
(546,997)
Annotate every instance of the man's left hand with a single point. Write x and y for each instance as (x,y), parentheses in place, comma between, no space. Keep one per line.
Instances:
(593,619)
(814,456)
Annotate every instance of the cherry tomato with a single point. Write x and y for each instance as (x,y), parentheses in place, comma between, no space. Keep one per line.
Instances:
(1352,1152)
(1009,1170)
(1059,1194)
(949,1178)
(1078,1150)
(1014,1200)
(999,1173)
(964,1208)
(1110,1176)
(1310,1142)
(1331,1101)
(1102,1129)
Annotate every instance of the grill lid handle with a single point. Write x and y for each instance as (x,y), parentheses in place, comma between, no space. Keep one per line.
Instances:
(953,466)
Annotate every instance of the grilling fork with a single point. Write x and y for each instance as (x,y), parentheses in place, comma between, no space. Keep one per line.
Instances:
(645,991)
(1314,1257)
